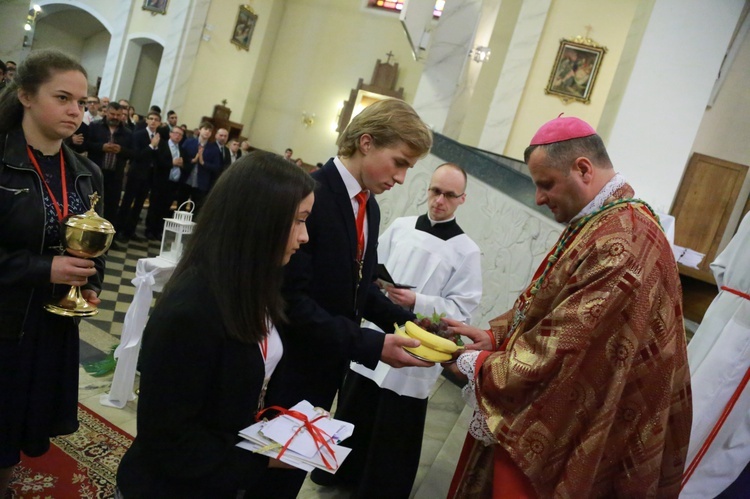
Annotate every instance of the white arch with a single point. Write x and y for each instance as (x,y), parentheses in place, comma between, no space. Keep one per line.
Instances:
(134,37)
(89,9)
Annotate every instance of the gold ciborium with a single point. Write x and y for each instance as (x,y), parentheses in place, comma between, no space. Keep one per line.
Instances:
(85,236)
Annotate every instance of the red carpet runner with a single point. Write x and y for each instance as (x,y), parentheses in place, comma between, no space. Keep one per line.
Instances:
(83,464)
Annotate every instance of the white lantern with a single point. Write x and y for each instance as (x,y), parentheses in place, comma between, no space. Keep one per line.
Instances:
(176,233)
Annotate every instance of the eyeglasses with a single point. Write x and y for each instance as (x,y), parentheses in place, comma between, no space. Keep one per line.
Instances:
(435,192)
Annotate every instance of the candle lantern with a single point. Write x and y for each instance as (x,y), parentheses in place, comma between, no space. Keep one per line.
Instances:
(177,232)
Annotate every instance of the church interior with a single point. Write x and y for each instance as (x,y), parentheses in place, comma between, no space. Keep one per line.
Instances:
(667,93)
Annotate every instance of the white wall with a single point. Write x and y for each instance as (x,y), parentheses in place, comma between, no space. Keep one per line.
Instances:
(94,54)
(12,19)
(146,71)
(218,60)
(322,48)
(723,132)
(48,36)
(667,93)
(610,22)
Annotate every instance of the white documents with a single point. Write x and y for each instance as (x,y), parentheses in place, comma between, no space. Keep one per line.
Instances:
(305,449)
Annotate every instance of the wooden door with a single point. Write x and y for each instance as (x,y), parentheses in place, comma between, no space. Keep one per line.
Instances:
(705,200)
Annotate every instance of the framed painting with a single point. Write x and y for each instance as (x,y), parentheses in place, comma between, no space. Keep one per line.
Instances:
(155,6)
(244,27)
(576,66)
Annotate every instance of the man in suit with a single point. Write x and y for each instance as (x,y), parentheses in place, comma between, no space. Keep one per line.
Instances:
(10,72)
(144,123)
(234,150)
(329,283)
(222,135)
(167,126)
(162,188)
(171,119)
(146,154)
(109,146)
(203,168)
(92,113)
(125,119)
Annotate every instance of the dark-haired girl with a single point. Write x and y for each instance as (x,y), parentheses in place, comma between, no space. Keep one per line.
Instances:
(42,182)
(211,346)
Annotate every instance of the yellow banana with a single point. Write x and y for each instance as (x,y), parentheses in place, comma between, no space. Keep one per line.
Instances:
(424,351)
(430,340)
(429,354)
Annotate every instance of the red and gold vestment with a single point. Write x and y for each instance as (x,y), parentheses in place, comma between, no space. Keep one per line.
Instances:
(590,395)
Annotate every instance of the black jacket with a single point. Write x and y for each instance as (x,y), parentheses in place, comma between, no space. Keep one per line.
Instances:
(199,388)
(325,304)
(23,266)
(99,135)
(146,162)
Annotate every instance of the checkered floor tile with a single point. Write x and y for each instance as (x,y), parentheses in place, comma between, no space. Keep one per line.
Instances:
(117,291)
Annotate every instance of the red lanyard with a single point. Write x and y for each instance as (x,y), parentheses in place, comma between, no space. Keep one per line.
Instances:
(60,215)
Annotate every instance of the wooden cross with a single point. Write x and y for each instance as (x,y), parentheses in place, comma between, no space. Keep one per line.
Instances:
(389,54)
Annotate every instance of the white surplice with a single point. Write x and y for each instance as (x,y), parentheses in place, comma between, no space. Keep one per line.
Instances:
(448,279)
(719,357)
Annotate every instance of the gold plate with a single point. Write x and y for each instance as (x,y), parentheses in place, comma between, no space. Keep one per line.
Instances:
(406,349)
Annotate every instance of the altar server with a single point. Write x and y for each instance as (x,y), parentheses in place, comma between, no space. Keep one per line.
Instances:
(719,359)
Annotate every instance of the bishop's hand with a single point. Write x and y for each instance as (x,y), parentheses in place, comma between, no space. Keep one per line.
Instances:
(481,339)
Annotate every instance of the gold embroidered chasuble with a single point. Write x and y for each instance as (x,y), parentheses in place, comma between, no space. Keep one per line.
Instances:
(591,397)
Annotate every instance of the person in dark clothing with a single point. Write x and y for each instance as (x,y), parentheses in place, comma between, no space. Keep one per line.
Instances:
(110,146)
(42,181)
(147,156)
(329,284)
(211,346)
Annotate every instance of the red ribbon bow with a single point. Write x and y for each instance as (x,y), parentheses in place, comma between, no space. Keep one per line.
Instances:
(319,436)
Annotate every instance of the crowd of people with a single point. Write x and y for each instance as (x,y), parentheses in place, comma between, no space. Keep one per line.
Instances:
(147,158)
(150,159)
(581,389)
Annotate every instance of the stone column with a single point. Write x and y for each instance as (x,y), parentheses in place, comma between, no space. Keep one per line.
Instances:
(515,72)
(444,73)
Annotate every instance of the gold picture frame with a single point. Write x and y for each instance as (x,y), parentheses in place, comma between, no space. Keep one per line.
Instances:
(244,27)
(155,6)
(575,69)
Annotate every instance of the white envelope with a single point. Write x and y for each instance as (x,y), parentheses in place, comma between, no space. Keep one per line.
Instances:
(269,437)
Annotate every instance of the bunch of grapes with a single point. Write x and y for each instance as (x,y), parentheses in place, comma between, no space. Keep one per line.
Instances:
(436,325)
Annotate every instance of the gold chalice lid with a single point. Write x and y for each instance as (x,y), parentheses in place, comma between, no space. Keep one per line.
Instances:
(90,221)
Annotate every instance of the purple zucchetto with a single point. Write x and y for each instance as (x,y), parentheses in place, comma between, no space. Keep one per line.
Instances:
(561,129)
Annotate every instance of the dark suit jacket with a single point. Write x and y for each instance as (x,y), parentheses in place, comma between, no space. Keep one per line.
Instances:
(199,388)
(83,128)
(212,161)
(226,157)
(99,135)
(187,166)
(147,162)
(320,284)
